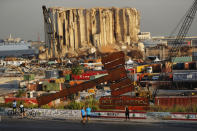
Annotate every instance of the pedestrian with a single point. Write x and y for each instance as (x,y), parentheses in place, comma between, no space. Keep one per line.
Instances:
(22,111)
(14,106)
(83,115)
(88,113)
(127,112)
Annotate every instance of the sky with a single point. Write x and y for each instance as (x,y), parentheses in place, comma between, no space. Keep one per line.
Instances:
(24,18)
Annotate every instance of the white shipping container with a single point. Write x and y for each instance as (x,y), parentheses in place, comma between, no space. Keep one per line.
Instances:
(186,76)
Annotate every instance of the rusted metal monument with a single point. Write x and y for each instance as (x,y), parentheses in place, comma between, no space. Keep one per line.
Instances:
(119,84)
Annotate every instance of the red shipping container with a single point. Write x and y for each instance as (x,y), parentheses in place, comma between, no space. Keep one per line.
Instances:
(123,100)
(132,70)
(186,66)
(87,74)
(25,100)
(175,100)
(80,77)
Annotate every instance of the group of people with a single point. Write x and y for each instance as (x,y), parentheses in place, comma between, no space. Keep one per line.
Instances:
(85,114)
(21,107)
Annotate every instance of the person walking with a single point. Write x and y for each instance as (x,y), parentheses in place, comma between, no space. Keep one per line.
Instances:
(22,111)
(88,113)
(127,112)
(83,115)
(14,106)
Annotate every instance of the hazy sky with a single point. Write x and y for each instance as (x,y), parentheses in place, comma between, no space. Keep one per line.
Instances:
(24,18)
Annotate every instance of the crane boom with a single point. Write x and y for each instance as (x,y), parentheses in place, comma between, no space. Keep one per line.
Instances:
(184,29)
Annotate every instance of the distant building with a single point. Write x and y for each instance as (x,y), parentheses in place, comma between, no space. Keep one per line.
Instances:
(144,36)
(188,41)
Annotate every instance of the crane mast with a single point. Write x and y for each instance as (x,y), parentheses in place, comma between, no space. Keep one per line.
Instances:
(190,14)
(50,31)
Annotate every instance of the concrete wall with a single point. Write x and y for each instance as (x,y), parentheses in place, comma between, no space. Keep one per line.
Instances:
(77,28)
(76,114)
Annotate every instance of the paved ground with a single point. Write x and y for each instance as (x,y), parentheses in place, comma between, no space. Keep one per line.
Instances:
(8,124)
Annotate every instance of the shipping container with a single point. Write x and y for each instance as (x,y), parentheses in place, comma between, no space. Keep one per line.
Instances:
(25,100)
(60,80)
(192,65)
(194,53)
(75,82)
(97,76)
(186,66)
(67,77)
(170,101)
(29,77)
(141,68)
(180,66)
(181,59)
(51,74)
(80,77)
(131,70)
(185,76)
(86,75)
(194,56)
(91,91)
(51,86)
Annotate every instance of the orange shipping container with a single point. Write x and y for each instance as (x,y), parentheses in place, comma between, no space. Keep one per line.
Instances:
(75,82)
(186,66)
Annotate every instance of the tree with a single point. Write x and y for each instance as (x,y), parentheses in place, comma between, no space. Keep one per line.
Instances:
(77,69)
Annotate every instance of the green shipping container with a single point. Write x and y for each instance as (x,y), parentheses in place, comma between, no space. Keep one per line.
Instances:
(50,86)
(29,77)
(67,77)
(96,76)
(181,59)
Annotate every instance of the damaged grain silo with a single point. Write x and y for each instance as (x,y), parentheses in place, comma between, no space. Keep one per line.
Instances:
(74,29)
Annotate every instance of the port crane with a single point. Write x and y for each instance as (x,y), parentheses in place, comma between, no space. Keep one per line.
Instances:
(50,30)
(189,17)
(114,64)
(180,38)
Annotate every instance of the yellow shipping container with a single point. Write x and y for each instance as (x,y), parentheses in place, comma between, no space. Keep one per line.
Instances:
(141,68)
(91,91)
(60,80)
